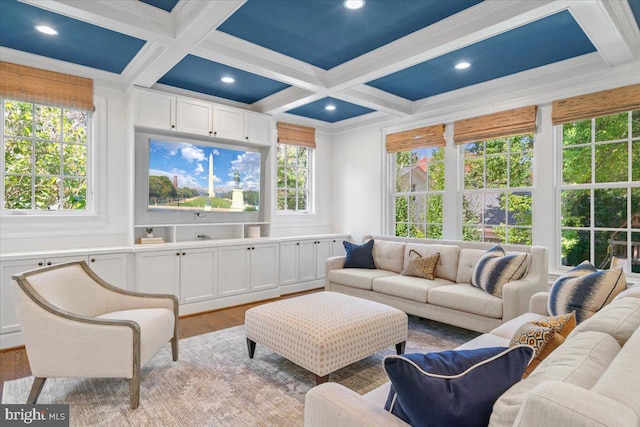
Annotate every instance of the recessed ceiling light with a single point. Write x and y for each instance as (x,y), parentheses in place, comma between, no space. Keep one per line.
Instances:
(330,107)
(46,30)
(462,65)
(353,4)
(228,79)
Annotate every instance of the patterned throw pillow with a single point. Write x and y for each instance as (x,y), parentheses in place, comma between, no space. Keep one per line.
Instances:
(496,268)
(585,290)
(419,266)
(452,388)
(544,335)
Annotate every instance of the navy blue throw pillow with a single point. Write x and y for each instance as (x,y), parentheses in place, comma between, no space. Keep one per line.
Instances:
(452,388)
(359,256)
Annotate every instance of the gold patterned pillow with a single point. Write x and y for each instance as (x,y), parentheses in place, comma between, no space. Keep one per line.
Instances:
(544,335)
(419,266)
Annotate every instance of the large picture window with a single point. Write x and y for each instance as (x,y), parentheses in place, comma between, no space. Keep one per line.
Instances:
(293,172)
(600,190)
(497,194)
(45,161)
(419,189)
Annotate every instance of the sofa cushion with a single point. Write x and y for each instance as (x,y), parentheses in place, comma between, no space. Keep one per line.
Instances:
(620,319)
(359,256)
(484,340)
(419,266)
(508,328)
(360,278)
(585,290)
(452,388)
(580,361)
(407,287)
(496,268)
(467,262)
(447,265)
(464,297)
(389,255)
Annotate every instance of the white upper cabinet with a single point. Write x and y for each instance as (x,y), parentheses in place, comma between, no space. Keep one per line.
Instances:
(156,110)
(257,128)
(228,123)
(194,116)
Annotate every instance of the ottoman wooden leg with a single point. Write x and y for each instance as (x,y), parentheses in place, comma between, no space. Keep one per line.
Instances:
(322,380)
(251,346)
(400,347)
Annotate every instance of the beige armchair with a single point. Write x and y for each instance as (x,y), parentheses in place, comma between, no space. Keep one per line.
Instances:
(75,324)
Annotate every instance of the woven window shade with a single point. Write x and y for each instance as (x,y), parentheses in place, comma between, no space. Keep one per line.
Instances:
(430,136)
(596,104)
(45,87)
(496,125)
(291,134)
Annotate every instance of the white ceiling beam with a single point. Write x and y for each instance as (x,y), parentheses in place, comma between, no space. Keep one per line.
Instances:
(376,99)
(286,100)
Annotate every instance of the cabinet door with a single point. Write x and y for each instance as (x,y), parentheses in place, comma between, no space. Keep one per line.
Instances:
(233,274)
(337,247)
(257,128)
(198,268)
(112,268)
(8,317)
(158,272)
(228,123)
(264,266)
(194,116)
(306,261)
(323,251)
(155,110)
(289,263)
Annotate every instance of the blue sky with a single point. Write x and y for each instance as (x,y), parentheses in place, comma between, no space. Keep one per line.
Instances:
(190,163)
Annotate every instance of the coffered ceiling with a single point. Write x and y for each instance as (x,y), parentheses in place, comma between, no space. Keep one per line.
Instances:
(390,59)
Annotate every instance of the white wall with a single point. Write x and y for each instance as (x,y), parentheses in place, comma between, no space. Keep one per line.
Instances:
(357,182)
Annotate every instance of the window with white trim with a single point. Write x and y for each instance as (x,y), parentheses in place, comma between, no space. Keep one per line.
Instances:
(600,190)
(293,170)
(498,190)
(46,157)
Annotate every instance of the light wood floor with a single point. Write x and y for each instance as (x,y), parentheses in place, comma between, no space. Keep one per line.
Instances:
(15,364)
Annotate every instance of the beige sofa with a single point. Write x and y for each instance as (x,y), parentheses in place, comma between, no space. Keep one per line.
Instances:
(592,379)
(449,298)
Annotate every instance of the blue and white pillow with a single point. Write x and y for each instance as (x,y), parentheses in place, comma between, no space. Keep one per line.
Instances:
(452,388)
(359,256)
(496,268)
(585,290)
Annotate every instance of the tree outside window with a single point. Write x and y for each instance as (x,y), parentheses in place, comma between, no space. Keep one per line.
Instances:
(293,172)
(600,190)
(419,188)
(45,157)
(497,195)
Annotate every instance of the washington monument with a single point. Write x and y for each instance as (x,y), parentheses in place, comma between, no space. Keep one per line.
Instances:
(211,193)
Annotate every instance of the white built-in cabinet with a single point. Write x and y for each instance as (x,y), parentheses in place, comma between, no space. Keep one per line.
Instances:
(337,247)
(158,272)
(170,112)
(247,268)
(198,274)
(304,260)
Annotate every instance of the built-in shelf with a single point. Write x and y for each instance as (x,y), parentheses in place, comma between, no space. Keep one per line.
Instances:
(175,233)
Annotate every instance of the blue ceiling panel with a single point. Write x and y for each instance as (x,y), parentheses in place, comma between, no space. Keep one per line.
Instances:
(326,34)
(635,8)
(548,40)
(201,75)
(344,110)
(166,5)
(76,42)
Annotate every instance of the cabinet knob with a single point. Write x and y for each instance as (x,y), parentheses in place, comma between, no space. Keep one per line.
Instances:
(93,260)
(173,126)
(49,263)
(210,133)
(249,248)
(253,247)
(40,264)
(215,133)
(298,244)
(177,253)
(334,240)
(246,137)
(184,253)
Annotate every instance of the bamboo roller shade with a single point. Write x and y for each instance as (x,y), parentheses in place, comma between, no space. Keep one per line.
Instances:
(430,136)
(596,104)
(291,134)
(506,123)
(45,87)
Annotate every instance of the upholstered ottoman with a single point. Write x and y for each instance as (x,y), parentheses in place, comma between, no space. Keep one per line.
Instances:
(325,331)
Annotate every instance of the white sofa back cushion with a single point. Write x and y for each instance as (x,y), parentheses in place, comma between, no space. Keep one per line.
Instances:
(447,265)
(388,255)
(467,263)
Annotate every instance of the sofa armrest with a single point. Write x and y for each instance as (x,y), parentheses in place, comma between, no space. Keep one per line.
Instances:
(554,403)
(333,263)
(538,303)
(516,296)
(334,405)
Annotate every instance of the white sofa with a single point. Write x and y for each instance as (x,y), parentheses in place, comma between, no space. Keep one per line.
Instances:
(449,298)
(592,379)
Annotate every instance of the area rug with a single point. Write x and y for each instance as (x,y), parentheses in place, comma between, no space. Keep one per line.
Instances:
(216,384)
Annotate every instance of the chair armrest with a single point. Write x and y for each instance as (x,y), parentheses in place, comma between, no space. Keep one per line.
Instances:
(333,263)
(538,303)
(516,296)
(333,405)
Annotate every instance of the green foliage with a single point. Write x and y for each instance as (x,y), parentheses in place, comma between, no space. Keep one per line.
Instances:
(161,190)
(292,180)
